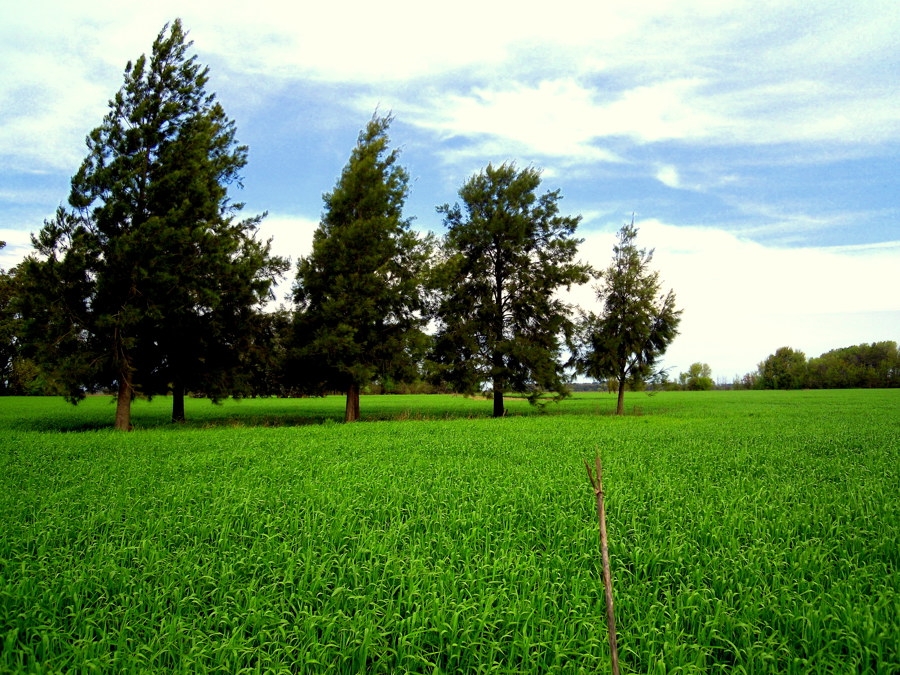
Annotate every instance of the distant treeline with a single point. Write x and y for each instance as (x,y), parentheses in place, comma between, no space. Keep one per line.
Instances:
(875,365)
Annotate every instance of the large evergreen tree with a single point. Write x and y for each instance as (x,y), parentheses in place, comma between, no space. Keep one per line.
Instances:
(637,321)
(144,282)
(506,254)
(360,306)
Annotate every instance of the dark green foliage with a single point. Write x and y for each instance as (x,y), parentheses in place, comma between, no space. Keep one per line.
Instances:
(506,254)
(785,369)
(146,284)
(637,323)
(865,365)
(264,356)
(359,295)
(859,366)
(18,375)
(60,304)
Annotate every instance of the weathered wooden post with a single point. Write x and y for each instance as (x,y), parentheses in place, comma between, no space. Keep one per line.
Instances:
(597,484)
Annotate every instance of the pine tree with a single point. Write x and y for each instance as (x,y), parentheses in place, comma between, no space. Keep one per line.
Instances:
(360,307)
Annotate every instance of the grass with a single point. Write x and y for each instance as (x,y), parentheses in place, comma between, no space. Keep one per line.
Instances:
(749,532)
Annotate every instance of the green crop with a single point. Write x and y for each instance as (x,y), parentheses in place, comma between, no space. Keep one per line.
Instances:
(749,532)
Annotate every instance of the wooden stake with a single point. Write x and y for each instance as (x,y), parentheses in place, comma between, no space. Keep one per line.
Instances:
(597,484)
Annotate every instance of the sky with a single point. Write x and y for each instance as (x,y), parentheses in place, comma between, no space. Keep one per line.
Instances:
(756,144)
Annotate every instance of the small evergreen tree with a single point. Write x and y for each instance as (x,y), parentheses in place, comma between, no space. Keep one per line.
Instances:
(637,322)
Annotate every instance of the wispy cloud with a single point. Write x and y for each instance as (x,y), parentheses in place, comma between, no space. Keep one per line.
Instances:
(739,73)
(44,122)
(551,119)
(554,82)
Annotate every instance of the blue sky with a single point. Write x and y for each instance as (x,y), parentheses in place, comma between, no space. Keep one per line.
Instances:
(757,143)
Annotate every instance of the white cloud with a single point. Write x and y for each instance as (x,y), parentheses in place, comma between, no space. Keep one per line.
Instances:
(668,176)
(292,238)
(355,41)
(566,118)
(552,81)
(43,119)
(736,73)
(664,110)
(291,235)
(742,300)
(555,119)
(18,245)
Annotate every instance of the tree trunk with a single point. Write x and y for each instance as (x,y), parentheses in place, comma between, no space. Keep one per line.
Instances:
(177,402)
(620,404)
(352,412)
(499,410)
(123,401)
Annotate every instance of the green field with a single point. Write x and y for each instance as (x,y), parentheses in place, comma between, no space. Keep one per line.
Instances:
(749,532)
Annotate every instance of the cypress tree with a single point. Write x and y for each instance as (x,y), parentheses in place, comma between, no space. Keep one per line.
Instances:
(360,306)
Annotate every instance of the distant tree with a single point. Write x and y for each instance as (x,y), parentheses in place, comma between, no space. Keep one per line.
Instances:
(637,322)
(265,354)
(360,305)
(832,370)
(785,369)
(746,381)
(864,365)
(697,378)
(506,255)
(145,284)
(18,375)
